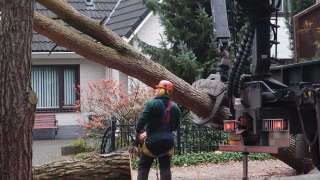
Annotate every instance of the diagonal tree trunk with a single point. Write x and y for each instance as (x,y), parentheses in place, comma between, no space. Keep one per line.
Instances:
(139,67)
(108,38)
(17,100)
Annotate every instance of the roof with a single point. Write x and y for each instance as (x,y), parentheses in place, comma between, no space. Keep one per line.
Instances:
(126,18)
(308,10)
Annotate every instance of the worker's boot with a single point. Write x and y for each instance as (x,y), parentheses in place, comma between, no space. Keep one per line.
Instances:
(165,174)
(143,174)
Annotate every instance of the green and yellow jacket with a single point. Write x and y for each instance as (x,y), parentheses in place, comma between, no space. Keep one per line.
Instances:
(151,119)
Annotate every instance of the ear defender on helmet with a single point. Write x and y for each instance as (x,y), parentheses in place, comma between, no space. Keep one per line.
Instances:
(162,92)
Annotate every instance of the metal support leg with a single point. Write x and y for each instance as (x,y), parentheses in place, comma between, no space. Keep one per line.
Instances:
(245,165)
(317,107)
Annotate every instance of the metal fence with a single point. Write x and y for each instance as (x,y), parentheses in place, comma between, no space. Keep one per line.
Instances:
(188,138)
(196,138)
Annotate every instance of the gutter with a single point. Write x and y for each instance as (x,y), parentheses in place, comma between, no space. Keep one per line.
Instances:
(139,27)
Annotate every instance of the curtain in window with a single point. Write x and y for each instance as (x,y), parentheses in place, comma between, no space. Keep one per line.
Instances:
(69,86)
(45,84)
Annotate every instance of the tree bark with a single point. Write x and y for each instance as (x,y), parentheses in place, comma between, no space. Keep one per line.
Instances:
(113,166)
(140,67)
(17,100)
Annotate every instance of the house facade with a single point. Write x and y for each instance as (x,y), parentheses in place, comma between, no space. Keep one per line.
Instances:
(57,71)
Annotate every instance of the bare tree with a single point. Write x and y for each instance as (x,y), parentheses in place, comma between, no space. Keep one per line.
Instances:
(17,100)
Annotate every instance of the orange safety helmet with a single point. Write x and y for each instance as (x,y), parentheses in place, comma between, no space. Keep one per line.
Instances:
(167,85)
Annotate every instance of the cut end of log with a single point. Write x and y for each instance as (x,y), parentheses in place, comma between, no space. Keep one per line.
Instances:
(216,90)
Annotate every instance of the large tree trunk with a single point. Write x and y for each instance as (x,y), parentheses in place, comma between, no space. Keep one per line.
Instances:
(17,100)
(113,166)
(139,67)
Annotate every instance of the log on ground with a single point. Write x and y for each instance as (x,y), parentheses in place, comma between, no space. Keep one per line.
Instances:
(115,166)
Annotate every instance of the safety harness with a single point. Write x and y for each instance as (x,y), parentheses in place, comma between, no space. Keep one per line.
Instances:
(165,121)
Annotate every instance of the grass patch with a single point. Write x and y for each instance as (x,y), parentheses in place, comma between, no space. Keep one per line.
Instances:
(83,145)
(210,157)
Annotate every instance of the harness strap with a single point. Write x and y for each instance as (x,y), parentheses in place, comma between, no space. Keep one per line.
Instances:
(167,114)
(147,152)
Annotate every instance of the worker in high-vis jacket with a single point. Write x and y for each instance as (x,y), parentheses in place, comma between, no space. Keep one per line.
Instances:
(155,127)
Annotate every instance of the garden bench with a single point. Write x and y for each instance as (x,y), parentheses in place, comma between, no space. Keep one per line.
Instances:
(45,123)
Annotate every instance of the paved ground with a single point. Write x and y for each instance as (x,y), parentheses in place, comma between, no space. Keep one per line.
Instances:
(314,175)
(64,132)
(259,170)
(45,151)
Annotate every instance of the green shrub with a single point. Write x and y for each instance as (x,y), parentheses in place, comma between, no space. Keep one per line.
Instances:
(210,157)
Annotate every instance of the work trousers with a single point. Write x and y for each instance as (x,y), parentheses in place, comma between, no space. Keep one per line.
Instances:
(145,165)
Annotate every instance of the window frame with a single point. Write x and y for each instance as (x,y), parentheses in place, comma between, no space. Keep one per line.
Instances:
(60,70)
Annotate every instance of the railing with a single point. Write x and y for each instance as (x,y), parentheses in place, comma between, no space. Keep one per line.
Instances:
(189,138)
(196,138)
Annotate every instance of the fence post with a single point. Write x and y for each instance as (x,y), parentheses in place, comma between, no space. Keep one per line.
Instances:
(113,135)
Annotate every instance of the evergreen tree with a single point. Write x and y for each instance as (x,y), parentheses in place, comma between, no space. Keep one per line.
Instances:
(187,50)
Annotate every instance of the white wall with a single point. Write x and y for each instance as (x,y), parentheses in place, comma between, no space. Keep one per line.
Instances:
(90,71)
(150,32)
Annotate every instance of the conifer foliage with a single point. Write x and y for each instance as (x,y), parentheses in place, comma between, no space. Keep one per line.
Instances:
(187,49)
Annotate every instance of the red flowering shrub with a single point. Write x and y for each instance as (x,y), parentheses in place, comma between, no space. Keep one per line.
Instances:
(105,99)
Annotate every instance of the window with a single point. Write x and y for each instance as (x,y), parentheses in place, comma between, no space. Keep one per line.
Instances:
(55,86)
